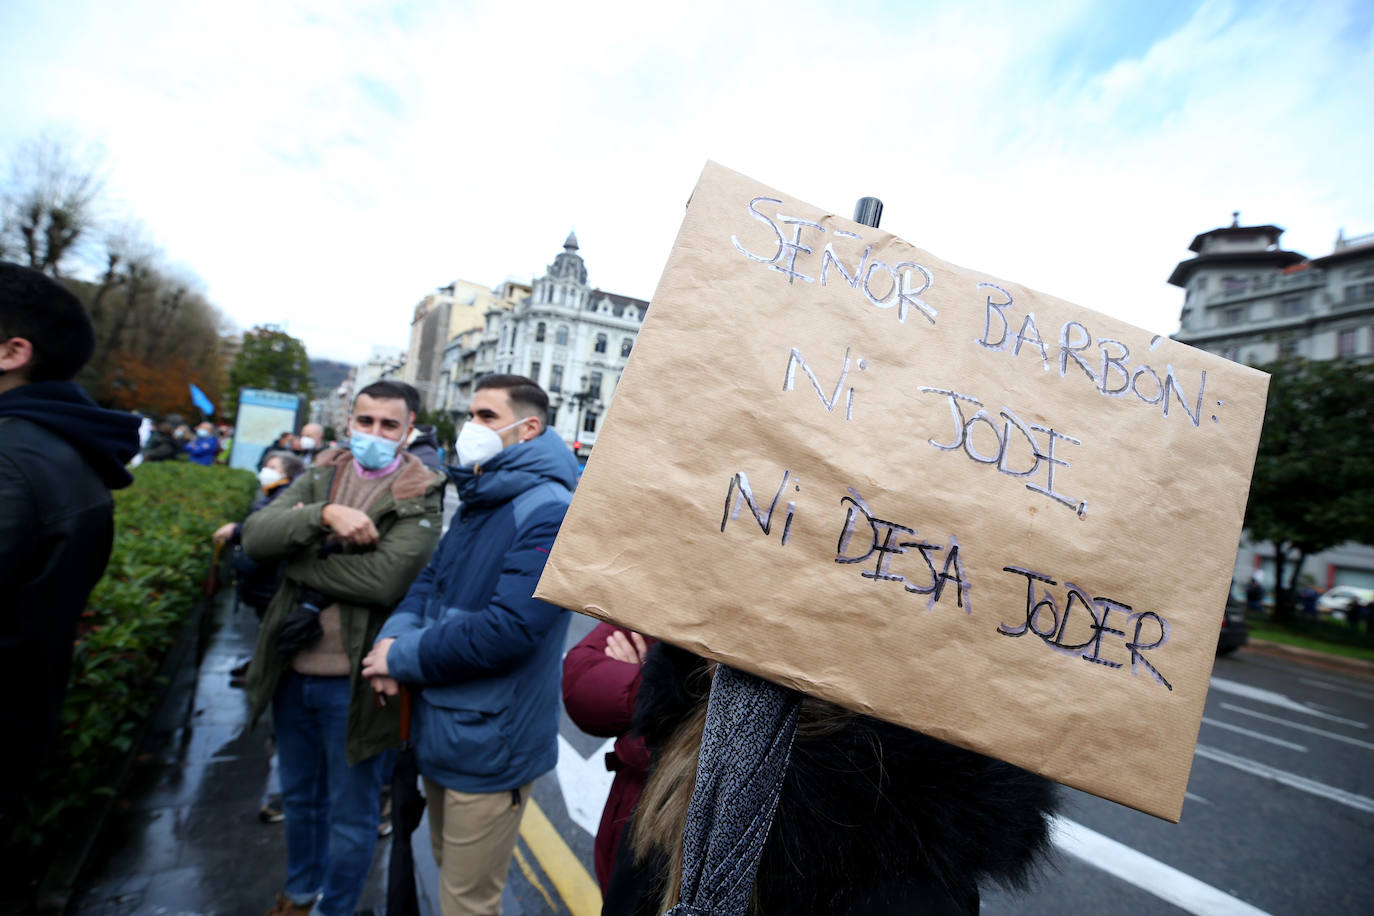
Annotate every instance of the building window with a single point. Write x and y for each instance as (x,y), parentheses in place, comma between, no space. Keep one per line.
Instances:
(1201,284)
(600,343)
(1233,315)
(1290,307)
(594,385)
(556,378)
(1232,284)
(1352,293)
(553,415)
(625,346)
(589,422)
(1345,343)
(534,371)
(561,339)
(1229,353)
(1288,347)
(539,332)
(1368,290)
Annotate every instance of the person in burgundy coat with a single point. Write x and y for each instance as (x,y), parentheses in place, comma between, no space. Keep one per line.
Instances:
(600,682)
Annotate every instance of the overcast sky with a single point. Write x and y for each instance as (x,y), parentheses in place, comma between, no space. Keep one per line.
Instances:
(324,165)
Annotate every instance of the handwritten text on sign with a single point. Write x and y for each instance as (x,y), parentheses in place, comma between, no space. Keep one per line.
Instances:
(920,492)
(1014,447)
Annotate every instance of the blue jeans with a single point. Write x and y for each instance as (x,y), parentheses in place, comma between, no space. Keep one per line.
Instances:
(331,807)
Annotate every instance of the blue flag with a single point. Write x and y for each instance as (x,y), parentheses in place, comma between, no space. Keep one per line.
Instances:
(199,399)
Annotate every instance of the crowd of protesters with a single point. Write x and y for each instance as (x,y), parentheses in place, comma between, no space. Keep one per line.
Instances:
(361,602)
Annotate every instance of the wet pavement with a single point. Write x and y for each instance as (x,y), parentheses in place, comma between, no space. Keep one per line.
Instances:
(185,837)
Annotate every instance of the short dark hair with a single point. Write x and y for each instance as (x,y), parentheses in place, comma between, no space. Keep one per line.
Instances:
(524,394)
(37,308)
(412,397)
(386,389)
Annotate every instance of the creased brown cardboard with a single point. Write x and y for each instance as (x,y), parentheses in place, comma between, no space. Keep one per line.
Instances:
(921,492)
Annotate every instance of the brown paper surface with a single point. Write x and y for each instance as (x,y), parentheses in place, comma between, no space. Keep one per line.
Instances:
(863,485)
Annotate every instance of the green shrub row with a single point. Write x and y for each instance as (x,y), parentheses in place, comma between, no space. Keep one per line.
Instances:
(162,551)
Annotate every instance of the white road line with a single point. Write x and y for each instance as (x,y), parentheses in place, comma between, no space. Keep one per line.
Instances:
(1299,726)
(1197,798)
(1292,780)
(1163,881)
(1363,694)
(1253,734)
(1260,695)
(585,783)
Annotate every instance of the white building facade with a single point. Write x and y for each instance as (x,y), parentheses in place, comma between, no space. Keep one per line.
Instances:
(569,337)
(1248,299)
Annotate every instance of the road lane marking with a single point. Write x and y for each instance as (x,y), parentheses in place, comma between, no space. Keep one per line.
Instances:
(577,889)
(1292,780)
(1253,734)
(532,877)
(1197,798)
(1260,695)
(1299,726)
(1363,694)
(1167,883)
(586,783)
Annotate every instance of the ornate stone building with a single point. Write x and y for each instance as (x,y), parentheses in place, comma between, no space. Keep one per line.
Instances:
(571,338)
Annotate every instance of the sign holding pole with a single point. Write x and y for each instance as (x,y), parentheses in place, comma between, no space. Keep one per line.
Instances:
(921,492)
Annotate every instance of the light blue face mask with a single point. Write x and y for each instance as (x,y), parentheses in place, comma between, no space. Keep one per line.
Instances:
(372,452)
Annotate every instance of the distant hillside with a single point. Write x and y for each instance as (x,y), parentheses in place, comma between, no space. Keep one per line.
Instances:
(326,374)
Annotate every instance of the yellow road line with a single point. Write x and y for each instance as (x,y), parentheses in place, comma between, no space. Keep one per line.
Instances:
(533,877)
(579,892)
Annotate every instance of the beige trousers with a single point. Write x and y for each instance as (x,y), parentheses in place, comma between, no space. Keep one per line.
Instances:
(473,837)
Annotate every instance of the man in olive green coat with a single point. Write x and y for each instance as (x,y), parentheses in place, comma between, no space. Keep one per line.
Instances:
(352,532)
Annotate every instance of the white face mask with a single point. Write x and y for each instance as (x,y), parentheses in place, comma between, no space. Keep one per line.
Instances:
(307,443)
(477,443)
(269,476)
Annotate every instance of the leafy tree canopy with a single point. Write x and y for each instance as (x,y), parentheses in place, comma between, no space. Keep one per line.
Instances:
(1313,486)
(270,359)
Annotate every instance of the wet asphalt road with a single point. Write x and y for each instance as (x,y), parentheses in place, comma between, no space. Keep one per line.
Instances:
(1279,819)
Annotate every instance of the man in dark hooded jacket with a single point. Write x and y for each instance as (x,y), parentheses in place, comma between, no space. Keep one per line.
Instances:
(60,455)
(486,652)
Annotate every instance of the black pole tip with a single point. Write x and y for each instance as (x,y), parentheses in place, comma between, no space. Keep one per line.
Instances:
(868,211)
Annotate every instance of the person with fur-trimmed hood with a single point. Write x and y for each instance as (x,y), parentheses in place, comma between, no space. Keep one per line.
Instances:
(872,818)
(350,533)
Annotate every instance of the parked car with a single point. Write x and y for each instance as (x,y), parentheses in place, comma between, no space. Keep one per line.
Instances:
(1234,632)
(1338,600)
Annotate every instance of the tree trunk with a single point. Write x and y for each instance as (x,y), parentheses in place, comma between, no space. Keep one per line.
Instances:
(1283,595)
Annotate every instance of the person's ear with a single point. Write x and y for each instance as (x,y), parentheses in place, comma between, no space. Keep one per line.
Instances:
(15,353)
(537,427)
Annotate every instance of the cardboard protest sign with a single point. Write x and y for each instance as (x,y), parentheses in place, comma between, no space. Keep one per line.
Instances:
(920,492)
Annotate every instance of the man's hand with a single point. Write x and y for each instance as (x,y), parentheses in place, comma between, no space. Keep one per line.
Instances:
(350,525)
(224,532)
(631,650)
(388,686)
(374,662)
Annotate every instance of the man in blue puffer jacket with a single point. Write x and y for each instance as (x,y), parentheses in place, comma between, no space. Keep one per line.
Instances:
(487,655)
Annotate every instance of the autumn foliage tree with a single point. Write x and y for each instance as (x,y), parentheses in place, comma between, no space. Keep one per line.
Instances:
(155,332)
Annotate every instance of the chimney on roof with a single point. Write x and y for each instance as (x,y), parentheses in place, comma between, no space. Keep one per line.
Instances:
(1235,219)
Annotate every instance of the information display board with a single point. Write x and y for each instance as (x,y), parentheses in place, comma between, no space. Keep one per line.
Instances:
(262,417)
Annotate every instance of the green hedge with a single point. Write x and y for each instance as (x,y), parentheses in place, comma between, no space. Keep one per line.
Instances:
(162,551)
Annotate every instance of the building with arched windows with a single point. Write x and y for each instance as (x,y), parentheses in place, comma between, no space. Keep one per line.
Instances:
(571,338)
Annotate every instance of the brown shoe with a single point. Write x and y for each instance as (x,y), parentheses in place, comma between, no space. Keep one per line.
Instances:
(285,907)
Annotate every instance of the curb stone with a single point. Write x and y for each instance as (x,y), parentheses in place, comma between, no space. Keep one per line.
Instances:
(1356,666)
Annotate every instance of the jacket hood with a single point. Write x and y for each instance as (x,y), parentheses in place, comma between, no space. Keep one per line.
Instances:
(106,439)
(515,469)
